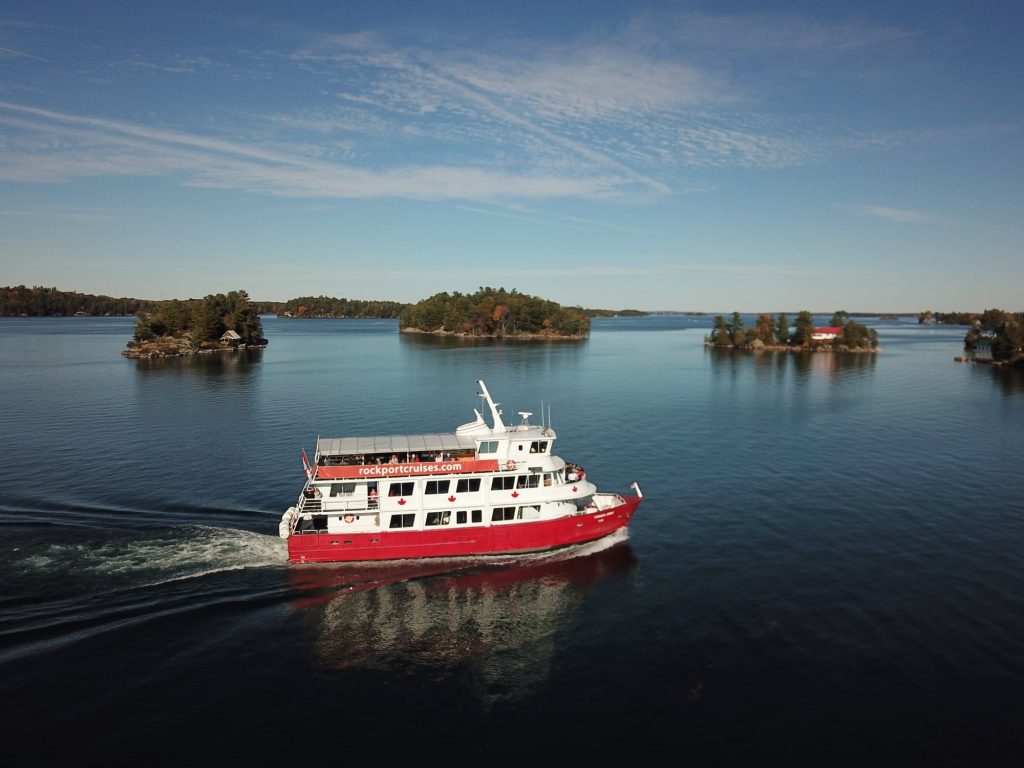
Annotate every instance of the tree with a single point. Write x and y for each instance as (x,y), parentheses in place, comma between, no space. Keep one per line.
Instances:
(782,328)
(839,318)
(764,328)
(803,328)
(736,329)
(720,335)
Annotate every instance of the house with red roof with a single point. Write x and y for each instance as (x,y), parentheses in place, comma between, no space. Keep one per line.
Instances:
(826,333)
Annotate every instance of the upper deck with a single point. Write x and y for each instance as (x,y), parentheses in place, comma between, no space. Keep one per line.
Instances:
(474,447)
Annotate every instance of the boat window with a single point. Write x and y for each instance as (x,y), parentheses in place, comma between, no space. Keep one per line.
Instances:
(527,481)
(439,518)
(477,515)
(460,517)
(500,514)
(488,446)
(437,486)
(547,479)
(503,483)
(468,485)
(539,446)
(343,489)
(403,521)
(400,489)
(531,512)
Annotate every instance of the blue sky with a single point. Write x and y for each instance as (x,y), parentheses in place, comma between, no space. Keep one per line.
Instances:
(664,156)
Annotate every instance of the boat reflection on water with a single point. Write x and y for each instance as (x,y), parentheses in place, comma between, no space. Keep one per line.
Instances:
(500,618)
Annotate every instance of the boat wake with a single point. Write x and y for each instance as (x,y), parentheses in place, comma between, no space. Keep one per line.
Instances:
(181,553)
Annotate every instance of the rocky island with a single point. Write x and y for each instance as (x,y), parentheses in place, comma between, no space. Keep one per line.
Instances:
(216,323)
(774,333)
(494,313)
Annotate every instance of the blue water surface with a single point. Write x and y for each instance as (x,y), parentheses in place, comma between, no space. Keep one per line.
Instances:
(826,569)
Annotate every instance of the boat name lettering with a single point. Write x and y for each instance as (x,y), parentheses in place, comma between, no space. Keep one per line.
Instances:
(404,469)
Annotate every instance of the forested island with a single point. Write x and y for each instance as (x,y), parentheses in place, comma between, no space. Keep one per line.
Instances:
(494,313)
(1001,334)
(771,332)
(948,318)
(330,307)
(38,301)
(214,323)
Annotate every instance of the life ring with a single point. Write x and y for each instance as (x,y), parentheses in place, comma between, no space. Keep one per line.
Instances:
(510,464)
(349,518)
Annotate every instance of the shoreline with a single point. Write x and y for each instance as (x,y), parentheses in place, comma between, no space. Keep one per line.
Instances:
(513,337)
(785,348)
(165,347)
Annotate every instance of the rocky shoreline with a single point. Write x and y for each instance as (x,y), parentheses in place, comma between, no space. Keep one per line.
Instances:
(177,346)
(760,346)
(509,336)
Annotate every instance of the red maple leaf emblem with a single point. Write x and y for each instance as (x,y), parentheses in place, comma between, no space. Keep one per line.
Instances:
(515,494)
(451,498)
(574,489)
(401,502)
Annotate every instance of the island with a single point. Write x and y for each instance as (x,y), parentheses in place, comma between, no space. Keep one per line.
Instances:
(996,337)
(332,307)
(216,323)
(774,333)
(40,301)
(494,313)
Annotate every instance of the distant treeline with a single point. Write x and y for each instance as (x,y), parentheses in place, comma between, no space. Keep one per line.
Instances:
(19,301)
(494,312)
(769,330)
(328,306)
(1002,331)
(205,319)
(614,313)
(948,318)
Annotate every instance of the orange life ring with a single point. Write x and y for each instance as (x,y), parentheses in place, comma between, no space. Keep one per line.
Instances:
(350,518)
(511,464)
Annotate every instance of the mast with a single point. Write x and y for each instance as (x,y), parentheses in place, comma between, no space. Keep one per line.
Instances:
(499,425)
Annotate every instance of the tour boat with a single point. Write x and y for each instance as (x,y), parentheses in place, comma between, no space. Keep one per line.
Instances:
(483,489)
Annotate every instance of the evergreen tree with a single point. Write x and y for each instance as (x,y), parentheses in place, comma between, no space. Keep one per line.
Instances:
(803,328)
(782,328)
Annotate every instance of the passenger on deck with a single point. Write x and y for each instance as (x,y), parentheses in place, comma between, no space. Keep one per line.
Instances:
(394,459)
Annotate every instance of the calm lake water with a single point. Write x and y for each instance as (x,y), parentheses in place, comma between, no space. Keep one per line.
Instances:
(828,567)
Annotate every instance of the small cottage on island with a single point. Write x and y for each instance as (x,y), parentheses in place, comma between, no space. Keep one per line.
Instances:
(826,333)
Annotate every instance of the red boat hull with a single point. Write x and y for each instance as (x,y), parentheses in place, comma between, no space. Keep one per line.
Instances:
(460,541)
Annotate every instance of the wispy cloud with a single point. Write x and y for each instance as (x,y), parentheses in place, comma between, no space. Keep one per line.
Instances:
(10,53)
(896,215)
(90,146)
(628,115)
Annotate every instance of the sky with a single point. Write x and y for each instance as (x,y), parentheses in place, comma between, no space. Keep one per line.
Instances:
(699,156)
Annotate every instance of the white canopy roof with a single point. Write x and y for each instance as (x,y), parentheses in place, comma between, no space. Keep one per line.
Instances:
(400,444)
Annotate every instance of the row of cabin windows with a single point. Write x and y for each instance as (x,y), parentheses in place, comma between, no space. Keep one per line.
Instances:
(491,446)
(508,482)
(463,516)
(464,485)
